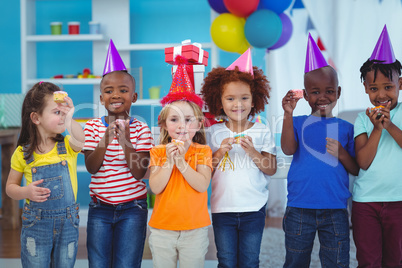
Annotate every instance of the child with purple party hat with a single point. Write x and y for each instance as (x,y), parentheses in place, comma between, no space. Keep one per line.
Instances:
(377,191)
(117,154)
(318,181)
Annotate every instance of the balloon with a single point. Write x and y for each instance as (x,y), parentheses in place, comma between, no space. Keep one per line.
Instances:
(227,32)
(275,5)
(287,29)
(218,6)
(263,28)
(241,8)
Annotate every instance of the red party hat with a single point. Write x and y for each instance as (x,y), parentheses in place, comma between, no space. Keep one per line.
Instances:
(181,87)
(113,60)
(383,49)
(314,57)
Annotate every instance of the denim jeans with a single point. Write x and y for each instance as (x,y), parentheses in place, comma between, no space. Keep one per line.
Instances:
(300,226)
(116,234)
(238,238)
(49,238)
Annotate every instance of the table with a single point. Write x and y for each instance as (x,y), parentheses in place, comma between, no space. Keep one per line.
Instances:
(10,208)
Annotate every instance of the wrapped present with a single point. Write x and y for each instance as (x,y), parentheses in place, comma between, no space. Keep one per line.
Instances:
(192,52)
(196,75)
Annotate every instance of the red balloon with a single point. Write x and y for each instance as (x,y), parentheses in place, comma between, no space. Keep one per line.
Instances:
(241,8)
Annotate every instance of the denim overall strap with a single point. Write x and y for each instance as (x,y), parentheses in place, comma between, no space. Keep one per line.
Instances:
(29,160)
(56,178)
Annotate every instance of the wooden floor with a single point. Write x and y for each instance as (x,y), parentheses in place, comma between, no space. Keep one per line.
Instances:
(10,242)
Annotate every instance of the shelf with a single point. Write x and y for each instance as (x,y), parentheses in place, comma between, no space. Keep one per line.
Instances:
(142,47)
(65,37)
(141,102)
(67,81)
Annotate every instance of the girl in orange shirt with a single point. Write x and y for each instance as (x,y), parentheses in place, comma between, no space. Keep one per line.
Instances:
(181,169)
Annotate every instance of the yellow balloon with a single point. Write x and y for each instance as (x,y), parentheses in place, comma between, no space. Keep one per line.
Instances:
(227,32)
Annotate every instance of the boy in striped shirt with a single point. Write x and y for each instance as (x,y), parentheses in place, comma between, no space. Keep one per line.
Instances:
(117,155)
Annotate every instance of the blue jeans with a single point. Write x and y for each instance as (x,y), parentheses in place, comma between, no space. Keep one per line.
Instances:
(238,238)
(300,226)
(116,234)
(49,238)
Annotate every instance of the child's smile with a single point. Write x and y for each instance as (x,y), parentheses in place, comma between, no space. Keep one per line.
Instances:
(383,90)
(237,101)
(117,93)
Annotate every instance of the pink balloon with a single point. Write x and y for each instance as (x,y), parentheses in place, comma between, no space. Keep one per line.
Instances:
(241,8)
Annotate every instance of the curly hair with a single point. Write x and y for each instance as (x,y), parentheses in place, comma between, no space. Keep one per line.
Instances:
(376,65)
(215,81)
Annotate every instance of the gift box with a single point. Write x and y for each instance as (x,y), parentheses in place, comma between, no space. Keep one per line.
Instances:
(192,52)
(196,75)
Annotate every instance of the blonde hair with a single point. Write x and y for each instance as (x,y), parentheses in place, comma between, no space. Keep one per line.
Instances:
(164,137)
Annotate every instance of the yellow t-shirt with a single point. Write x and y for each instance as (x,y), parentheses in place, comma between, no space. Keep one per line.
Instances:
(19,164)
(180,207)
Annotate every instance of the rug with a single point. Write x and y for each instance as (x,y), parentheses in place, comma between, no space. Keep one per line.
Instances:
(272,253)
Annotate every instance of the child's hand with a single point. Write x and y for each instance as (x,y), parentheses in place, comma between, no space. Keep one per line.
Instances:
(247,144)
(386,116)
(226,145)
(122,132)
(171,151)
(37,194)
(375,118)
(109,133)
(334,147)
(289,102)
(67,108)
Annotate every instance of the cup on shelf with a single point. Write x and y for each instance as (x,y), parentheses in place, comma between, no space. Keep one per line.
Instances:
(55,27)
(74,27)
(154,92)
(94,27)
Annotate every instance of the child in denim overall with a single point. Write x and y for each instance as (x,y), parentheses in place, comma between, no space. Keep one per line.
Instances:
(318,181)
(50,221)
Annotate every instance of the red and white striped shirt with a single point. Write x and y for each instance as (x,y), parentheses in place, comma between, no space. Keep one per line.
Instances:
(114,183)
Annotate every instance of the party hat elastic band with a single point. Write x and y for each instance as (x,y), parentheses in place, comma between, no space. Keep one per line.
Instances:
(181,87)
(113,60)
(314,57)
(383,49)
(244,63)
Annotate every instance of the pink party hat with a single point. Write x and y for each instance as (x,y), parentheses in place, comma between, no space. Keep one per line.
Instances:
(314,57)
(244,63)
(383,49)
(113,60)
(181,87)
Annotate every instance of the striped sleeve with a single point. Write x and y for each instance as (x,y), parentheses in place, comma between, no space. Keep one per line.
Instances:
(143,141)
(90,141)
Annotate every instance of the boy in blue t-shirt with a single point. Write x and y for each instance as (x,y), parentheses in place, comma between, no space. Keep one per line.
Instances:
(318,182)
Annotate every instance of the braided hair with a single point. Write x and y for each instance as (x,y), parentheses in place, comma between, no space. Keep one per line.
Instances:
(376,65)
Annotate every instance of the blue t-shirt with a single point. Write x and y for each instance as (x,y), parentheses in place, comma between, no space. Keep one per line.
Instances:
(316,179)
(382,181)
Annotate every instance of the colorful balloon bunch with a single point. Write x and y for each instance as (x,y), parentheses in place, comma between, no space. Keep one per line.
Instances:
(259,23)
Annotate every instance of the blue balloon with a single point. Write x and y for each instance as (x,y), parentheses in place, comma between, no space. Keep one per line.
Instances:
(263,28)
(218,6)
(278,6)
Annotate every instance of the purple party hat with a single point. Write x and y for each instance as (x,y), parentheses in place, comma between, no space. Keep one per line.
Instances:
(383,49)
(314,57)
(113,60)
(244,63)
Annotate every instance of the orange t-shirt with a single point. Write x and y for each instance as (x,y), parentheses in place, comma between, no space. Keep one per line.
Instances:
(180,207)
